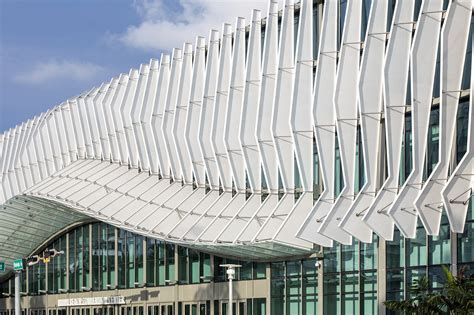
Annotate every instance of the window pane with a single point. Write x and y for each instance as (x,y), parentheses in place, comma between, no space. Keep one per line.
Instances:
(416,249)
(440,246)
(466,244)
(396,251)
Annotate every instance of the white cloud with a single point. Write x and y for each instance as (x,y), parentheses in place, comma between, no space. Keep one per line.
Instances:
(53,70)
(169,23)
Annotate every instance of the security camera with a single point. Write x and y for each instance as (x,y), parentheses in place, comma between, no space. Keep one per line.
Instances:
(318,264)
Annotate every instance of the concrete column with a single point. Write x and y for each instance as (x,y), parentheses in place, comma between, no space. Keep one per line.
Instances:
(115,285)
(454,253)
(67,262)
(381,276)
(269,286)
(320,286)
(17,293)
(90,256)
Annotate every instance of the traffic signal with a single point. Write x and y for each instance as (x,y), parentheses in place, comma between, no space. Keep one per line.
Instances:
(32,260)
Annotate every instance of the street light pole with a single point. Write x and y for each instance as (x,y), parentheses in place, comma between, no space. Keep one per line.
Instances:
(230,275)
(17,293)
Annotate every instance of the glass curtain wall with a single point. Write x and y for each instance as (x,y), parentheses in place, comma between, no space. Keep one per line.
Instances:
(350,278)
(294,287)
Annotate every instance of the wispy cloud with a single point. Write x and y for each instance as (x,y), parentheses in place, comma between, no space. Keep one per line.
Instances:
(52,70)
(169,23)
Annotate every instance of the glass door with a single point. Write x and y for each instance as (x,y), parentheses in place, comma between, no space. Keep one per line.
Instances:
(224,308)
(239,308)
(167,309)
(190,309)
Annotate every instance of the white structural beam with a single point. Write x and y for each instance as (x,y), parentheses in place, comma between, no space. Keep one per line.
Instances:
(157,118)
(249,219)
(454,38)
(137,105)
(92,122)
(423,67)
(220,105)
(282,133)
(182,105)
(227,205)
(109,122)
(126,118)
(395,93)
(249,111)
(98,108)
(301,127)
(115,107)
(207,110)
(234,108)
(146,115)
(229,222)
(370,117)
(345,105)
(170,108)
(458,192)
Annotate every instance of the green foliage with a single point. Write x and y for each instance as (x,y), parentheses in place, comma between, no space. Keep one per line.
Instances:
(456,297)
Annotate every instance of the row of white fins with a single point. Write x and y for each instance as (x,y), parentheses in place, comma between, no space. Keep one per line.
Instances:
(225,117)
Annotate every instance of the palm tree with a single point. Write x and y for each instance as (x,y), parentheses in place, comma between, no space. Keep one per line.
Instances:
(456,297)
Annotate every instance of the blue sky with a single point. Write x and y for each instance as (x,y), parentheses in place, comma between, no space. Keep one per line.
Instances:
(51,50)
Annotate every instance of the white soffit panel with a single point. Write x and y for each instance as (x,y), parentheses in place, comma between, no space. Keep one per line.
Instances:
(170,107)
(207,109)
(395,90)
(158,110)
(458,192)
(423,66)
(370,109)
(454,38)
(324,124)
(345,104)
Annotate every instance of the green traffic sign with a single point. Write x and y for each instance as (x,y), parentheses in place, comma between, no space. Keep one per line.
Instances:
(2,266)
(18,264)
